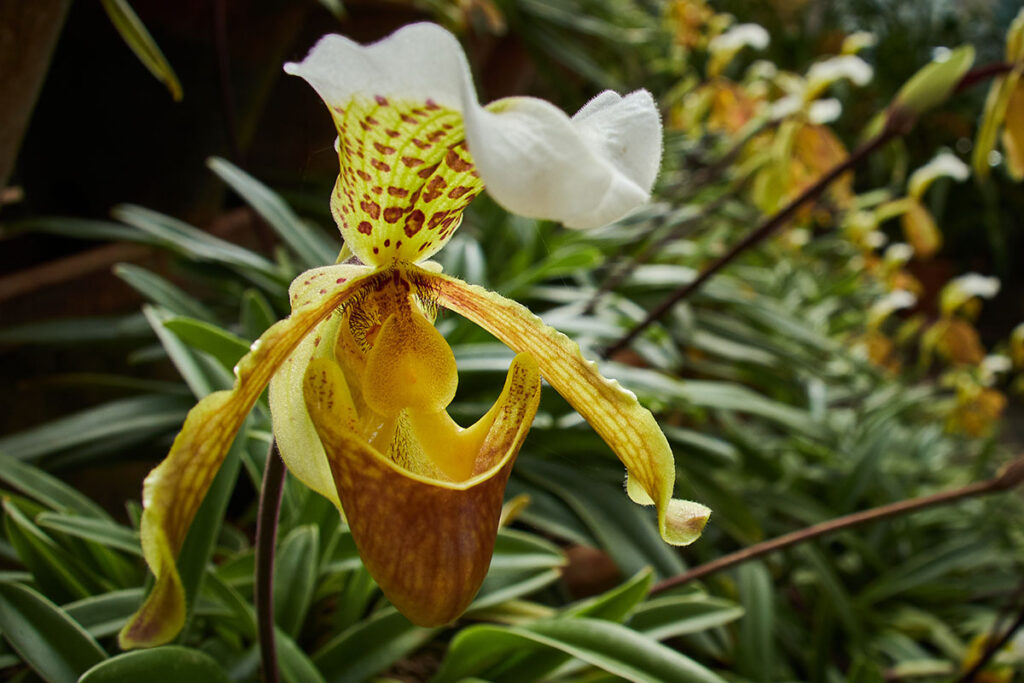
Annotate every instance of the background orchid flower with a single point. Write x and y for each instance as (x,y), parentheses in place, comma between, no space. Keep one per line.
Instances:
(360,379)
(1004,109)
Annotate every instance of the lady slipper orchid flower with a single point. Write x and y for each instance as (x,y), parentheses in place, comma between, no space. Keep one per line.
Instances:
(359,377)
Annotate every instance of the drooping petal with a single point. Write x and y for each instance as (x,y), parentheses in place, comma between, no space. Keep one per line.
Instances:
(613,412)
(427,543)
(173,491)
(389,98)
(297,440)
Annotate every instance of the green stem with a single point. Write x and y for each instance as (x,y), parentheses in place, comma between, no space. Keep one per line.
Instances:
(266,540)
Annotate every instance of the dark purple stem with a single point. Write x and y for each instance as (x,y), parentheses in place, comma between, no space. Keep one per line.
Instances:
(266,540)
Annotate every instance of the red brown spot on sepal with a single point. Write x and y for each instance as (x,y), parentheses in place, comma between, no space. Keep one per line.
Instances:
(436,218)
(455,162)
(414,222)
(365,227)
(434,189)
(371,208)
(393,213)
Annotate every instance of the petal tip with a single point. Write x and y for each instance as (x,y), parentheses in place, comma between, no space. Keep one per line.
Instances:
(684,521)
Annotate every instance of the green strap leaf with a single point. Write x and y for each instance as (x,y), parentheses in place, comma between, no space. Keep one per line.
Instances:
(104,615)
(311,245)
(606,645)
(116,418)
(295,575)
(134,33)
(47,489)
(370,646)
(227,348)
(45,636)
(161,292)
(168,664)
(104,532)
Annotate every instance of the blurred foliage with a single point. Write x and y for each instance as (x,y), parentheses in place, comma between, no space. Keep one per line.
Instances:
(821,375)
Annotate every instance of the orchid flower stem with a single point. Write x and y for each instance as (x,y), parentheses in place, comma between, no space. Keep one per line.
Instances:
(266,540)
(1010,477)
(761,233)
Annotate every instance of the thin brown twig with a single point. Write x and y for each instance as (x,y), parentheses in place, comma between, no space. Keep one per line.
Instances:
(1011,476)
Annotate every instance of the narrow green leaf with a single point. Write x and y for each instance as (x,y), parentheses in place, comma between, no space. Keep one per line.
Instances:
(257,314)
(678,615)
(624,529)
(295,666)
(756,651)
(116,418)
(57,572)
(185,360)
(167,664)
(79,228)
(195,243)
(134,33)
(46,638)
(614,605)
(606,645)
(75,331)
(161,292)
(227,348)
(295,571)
(47,489)
(519,551)
(106,533)
(501,587)
(369,647)
(311,245)
(104,615)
